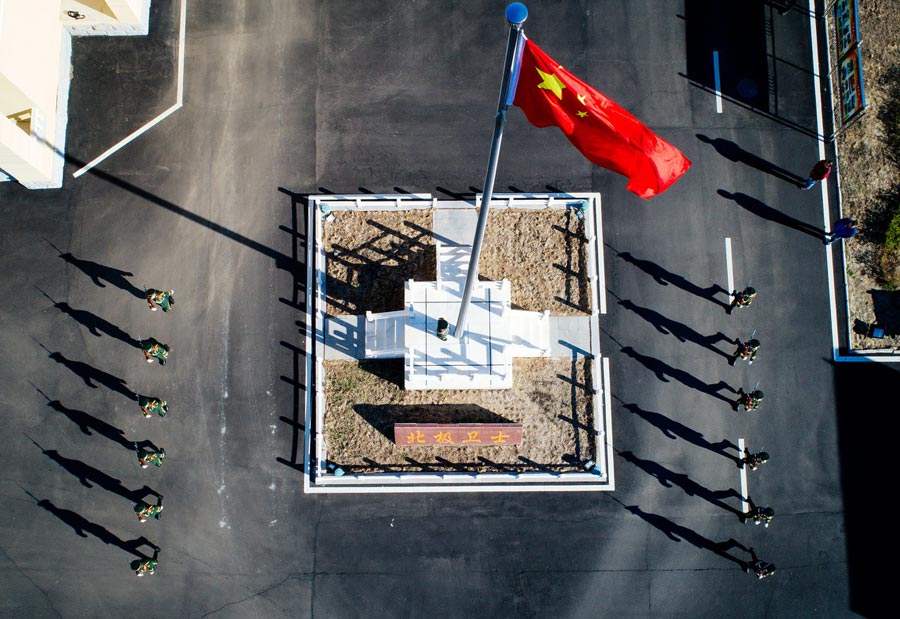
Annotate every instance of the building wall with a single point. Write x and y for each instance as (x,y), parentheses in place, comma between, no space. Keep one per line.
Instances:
(30,64)
(35,55)
(94,12)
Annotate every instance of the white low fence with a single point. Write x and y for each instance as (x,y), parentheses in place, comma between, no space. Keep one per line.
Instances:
(318,477)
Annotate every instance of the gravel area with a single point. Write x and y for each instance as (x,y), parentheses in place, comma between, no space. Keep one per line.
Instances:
(551,398)
(870,177)
(370,256)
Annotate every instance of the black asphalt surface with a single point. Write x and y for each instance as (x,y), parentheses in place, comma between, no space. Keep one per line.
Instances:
(291,97)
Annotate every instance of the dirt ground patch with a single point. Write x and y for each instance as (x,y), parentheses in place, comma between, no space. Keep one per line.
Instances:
(551,398)
(870,175)
(371,255)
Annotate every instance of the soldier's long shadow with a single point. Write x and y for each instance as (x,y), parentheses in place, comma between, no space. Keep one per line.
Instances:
(98,272)
(763,210)
(88,476)
(669,478)
(663,369)
(677,533)
(86,423)
(96,325)
(92,376)
(84,527)
(678,330)
(674,430)
(733,152)
(664,277)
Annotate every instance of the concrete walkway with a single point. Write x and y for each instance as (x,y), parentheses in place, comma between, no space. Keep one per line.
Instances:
(455,226)
(344,338)
(570,335)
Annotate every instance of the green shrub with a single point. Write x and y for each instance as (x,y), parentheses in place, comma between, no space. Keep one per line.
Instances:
(890,254)
(892,239)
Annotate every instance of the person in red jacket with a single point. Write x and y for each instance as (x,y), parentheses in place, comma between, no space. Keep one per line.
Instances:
(819,172)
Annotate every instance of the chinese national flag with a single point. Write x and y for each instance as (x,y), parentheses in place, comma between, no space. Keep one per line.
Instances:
(597,126)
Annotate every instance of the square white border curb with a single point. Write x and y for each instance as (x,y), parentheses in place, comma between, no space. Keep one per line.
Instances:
(315,477)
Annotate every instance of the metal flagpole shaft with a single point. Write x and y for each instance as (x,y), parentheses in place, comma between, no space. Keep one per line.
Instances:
(516,14)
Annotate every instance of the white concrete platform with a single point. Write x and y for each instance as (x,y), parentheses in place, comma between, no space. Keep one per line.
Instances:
(569,336)
(344,338)
(452,266)
(455,226)
(385,334)
(530,333)
(481,359)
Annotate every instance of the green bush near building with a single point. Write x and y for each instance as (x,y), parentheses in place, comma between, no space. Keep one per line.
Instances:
(890,255)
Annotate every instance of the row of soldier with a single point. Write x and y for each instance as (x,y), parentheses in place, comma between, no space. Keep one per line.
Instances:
(750,401)
(153,350)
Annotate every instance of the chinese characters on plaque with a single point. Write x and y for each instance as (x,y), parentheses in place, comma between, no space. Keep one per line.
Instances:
(457,434)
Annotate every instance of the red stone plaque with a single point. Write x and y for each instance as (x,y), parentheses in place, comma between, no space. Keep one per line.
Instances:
(457,434)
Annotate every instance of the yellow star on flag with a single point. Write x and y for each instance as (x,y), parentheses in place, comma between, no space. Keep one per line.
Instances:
(551,83)
(582,99)
(581,114)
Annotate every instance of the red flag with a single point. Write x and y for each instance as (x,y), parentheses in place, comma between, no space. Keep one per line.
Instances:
(597,126)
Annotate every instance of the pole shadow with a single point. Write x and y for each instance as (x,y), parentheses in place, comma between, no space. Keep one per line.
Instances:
(282,261)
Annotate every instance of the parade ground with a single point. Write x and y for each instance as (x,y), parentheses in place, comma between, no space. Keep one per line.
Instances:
(190,154)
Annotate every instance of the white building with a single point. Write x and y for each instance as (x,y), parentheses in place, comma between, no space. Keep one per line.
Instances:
(35,69)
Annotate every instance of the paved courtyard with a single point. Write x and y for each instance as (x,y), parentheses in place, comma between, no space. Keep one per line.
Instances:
(293,97)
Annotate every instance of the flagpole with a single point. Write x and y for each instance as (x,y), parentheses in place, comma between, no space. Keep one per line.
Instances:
(516,14)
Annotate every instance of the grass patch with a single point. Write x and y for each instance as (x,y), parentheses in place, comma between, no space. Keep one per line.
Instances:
(890,255)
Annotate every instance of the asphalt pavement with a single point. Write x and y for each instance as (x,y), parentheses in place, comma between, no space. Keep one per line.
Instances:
(291,97)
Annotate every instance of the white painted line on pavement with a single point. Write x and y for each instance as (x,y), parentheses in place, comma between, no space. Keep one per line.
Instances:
(130,138)
(729,269)
(745,506)
(718,82)
(445,489)
(182,27)
(826,210)
(607,404)
(179,102)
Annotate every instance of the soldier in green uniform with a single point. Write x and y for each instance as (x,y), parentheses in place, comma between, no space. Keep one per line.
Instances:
(753,460)
(147,457)
(146,511)
(761,569)
(746,351)
(160,298)
(750,401)
(155,350)
(146,566)
(759,514)
(152,405)
(742,299)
